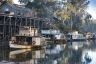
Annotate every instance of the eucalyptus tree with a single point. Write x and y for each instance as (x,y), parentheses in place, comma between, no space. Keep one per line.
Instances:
(87,22)
(80,7)
(73,13)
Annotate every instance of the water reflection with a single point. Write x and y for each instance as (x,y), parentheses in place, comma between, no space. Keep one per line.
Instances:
(91,56)
(48,55)
(20,55)
(52,54)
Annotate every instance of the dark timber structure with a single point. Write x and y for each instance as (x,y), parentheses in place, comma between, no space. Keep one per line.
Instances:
(9,25)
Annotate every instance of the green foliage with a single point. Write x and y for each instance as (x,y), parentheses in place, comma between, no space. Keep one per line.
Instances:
(73,13)
(72,10)
(62,28)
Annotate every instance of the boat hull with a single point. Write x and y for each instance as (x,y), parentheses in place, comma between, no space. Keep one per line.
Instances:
(17,46)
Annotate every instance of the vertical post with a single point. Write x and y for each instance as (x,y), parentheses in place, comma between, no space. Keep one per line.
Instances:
(20,23)
(4,29)
(34,27)
(10,28)
(71,39)
(30,24)
(15,26)
(26,22)
(38,27)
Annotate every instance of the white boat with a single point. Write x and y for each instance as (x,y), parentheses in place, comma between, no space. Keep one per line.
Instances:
(27,38)
(75,35)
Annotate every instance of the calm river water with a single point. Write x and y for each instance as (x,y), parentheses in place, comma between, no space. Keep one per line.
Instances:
(76,53)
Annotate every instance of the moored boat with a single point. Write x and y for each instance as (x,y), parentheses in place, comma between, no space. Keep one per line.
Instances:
(27,38)
(75,36)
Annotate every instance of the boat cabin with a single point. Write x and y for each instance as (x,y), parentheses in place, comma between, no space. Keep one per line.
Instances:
(28,31)
(75,35)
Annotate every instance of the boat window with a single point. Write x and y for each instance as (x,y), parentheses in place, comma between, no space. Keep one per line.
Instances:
(29,40)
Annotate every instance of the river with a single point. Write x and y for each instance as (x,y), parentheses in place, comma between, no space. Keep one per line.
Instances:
(52,54)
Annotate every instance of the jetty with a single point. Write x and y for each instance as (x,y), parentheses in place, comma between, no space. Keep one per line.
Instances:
(9,25)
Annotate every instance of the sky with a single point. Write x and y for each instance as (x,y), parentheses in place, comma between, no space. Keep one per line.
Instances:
(92,8)
(16,1)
